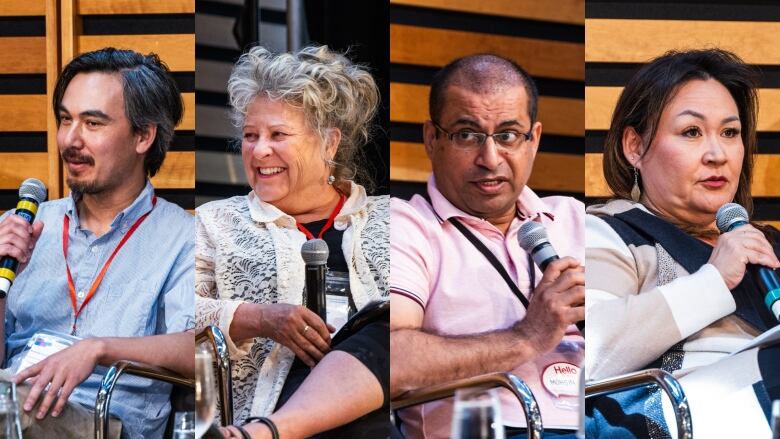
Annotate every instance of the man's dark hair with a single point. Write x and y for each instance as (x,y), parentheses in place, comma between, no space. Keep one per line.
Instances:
(150,92)
(481,73)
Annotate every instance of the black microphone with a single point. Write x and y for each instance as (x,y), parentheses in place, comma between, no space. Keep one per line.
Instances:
(32,192)
(532,238)
(315,256)
(731,216)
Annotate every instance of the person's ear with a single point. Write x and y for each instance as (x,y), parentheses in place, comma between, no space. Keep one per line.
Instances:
(633,147)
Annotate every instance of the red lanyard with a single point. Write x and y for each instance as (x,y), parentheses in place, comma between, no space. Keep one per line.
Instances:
(328,224)
(99,279)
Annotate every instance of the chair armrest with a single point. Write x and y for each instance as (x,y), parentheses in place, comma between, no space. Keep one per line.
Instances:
(506,380)
(663,379)
(128,367)
(216,339)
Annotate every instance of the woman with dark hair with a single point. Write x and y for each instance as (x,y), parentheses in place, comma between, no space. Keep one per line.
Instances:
(664,288)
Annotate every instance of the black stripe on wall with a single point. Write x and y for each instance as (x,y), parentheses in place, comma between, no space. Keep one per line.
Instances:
(138,24)
(684,10)
(489,24)
(185,198)
(28,84)
(185,81)
(768,142)
(216,53)
(423,75)
(22,26)
(212,98)
(618,74)
(220,189)
(217,8)
(764,208)
(216,144)
(11,141)
(183,140)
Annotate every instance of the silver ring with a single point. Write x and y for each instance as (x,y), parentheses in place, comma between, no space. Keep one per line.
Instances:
(306,328)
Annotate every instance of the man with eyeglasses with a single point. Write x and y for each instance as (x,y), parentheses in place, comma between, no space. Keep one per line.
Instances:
(466,300)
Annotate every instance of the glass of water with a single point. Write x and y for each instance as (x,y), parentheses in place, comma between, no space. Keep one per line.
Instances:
(10,423)
(184,425)
(205,391)
(477,415)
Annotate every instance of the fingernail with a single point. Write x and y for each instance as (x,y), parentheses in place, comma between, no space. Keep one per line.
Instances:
(40,415)
(27,407)
(55,413)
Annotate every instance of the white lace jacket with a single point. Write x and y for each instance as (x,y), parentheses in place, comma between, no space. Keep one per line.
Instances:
(249,251)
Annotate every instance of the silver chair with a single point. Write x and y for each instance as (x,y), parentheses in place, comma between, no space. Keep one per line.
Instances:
(508,381)
(665,382)
(216,339)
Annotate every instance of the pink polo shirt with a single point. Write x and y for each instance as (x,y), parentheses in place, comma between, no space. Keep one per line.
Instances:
(433,264)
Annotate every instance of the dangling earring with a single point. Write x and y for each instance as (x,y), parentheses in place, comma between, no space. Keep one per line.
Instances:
(331,180)
(635,192)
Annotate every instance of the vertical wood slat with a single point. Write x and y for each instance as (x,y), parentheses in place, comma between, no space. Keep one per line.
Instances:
(52,70)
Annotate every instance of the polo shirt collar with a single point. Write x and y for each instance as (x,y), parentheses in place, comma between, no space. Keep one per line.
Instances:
(529,205)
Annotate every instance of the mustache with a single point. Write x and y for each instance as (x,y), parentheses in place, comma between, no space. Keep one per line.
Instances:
(72,155)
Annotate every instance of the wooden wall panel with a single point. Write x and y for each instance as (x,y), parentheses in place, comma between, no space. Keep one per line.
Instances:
(18,167)
(23,112)
(95,7)
(22,55)
(9,8)
(565,11)
(424,46)
(642,40)
(175,49)
(178,171)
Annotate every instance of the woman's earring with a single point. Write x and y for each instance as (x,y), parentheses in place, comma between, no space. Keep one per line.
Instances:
(635,192)
(331,180)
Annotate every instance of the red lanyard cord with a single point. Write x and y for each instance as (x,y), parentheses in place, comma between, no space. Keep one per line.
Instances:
(96,284)
(328,224)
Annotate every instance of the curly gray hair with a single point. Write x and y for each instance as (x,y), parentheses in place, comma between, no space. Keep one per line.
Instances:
(331,90)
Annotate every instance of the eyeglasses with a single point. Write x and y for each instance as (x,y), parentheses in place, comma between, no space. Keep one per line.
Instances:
(509,141)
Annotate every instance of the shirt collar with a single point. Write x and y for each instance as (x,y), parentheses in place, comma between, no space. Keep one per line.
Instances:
(263,212)
(141,205)
(529,205)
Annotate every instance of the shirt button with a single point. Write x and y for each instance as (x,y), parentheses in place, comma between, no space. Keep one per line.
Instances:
(80,294)
(94,249)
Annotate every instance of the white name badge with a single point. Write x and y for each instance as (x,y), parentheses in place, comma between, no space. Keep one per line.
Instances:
(561,379)
(42,345)
(337,310)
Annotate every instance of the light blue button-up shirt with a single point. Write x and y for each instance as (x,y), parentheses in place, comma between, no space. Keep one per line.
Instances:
(147,290)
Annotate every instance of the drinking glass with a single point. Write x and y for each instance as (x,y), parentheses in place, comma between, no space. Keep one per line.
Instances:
(205,391)
(184,425)
(477,415)
(10,423)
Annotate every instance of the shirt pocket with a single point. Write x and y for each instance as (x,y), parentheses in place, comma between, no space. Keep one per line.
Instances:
(126,309)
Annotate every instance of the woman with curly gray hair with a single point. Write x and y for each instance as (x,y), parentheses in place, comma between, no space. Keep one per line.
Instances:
(303,119)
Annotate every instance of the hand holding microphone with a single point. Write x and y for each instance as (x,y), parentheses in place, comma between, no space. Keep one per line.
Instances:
(19,233)
(741,247)
(559,299)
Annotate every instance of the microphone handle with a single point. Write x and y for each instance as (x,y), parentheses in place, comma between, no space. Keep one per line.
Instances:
(26,208)
(315,290)
(769,285)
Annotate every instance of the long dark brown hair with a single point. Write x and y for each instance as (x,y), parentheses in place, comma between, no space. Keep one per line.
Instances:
(653,87)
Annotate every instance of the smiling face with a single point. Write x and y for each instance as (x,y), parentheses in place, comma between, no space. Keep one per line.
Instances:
(95,138)
(693,165)
(484,182)
(283,156)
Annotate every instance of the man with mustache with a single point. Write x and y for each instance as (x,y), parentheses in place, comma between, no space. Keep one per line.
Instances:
(112,264)
(453,314)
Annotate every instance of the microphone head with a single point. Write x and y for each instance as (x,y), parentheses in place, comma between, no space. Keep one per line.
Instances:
(530,235)
(728,214)
(33,188)
(315,252)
